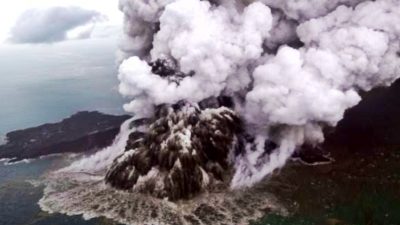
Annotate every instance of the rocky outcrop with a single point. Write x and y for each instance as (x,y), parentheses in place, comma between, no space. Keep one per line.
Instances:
(83,131)
(183,151)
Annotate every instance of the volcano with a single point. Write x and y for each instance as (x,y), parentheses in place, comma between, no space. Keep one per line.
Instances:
(181,151)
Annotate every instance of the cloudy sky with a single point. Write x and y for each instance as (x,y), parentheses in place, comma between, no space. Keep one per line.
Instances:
(27,21)
(57,57)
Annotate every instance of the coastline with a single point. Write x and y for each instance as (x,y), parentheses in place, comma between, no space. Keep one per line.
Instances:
(82,132)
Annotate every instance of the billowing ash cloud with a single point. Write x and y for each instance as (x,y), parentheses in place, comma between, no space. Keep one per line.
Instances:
(49,25)
(292,67)
(287,70)
(203,39)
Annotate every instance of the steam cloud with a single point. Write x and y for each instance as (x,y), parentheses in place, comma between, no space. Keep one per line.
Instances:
(293,67)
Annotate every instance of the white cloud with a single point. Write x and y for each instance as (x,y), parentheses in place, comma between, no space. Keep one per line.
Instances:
(287,96)
(13,9)
(50,25)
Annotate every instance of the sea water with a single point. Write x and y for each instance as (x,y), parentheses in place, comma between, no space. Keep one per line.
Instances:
(46,83)
(41,84)
(19,195)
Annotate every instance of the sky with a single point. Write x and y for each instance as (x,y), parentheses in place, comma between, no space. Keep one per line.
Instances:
(57,57)
(12,11)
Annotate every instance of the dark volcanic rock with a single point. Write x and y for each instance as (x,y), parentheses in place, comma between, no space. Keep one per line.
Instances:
(167,68)
(183,152)
(81,132)
(310,155)
(375,121)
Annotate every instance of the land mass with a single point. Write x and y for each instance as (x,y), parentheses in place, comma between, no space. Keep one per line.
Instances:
(361,185)
(82,132)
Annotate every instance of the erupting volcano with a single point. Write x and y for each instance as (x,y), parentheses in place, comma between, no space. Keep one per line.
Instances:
(223,93)
(184,150)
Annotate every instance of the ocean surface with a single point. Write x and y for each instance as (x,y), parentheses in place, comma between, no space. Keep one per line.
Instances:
(46,83)
(19,194)
(42,84)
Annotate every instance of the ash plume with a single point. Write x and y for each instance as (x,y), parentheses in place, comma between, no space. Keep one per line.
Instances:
(285,69)
(286,93)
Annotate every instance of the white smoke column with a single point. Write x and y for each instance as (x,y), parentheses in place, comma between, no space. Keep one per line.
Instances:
(140,21)
(101,160)
(313,86)
(302,10)
(218,44)
(349,45)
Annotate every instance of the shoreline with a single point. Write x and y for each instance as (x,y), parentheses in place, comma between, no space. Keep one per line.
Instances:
(81,132)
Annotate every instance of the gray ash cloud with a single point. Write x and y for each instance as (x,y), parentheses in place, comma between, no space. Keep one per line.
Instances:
(290,69)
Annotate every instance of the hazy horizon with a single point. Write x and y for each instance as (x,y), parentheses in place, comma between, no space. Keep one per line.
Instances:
(45,83)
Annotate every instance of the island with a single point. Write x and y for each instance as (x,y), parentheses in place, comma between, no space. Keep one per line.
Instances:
(82,132)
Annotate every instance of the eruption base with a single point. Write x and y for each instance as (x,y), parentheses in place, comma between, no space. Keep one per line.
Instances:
(182,151)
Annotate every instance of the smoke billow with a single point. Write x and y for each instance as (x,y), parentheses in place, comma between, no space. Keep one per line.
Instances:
(242,49)
(290,68)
